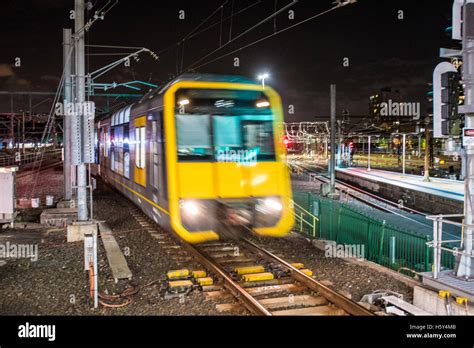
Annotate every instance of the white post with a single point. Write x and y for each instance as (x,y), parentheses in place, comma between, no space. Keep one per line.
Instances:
(368,157)
(404,138)
(440,242)
(435,248)
(96,270)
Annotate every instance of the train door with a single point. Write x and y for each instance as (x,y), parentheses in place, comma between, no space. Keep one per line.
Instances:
(155,156)
(140,151)
(158,160)
(105,146)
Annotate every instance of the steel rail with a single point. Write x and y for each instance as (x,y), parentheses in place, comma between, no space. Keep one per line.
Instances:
(332,296)
(237,291)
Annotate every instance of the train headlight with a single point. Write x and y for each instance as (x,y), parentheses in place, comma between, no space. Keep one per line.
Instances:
(273,204)
(269,205)
(190,208)
(268,211)
(197,214)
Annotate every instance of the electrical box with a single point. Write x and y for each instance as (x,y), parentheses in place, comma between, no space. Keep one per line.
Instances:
(7,188)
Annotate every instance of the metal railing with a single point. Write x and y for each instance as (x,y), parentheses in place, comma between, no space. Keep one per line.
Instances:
(392,246)
(443,248)
(304,218)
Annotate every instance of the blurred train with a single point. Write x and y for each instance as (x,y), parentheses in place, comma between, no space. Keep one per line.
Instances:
(202,153)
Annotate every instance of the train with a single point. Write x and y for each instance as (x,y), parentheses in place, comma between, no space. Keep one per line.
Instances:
(200,155)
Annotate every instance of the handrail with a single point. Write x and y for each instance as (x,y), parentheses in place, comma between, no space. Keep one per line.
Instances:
(303,209)
(301,218)
(437,242)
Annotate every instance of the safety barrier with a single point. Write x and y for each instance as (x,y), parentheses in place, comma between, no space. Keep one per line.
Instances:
(304,220)
(448,248)
(391,246)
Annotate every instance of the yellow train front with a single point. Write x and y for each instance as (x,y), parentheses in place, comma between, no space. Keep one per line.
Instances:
(200,154)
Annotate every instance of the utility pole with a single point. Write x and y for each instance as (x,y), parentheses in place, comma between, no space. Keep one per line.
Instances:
(404,140)
(465,266)
(368,153)
(23,134)
(67,63)
(332,163)
(12,122)
(427,155)
(82,212)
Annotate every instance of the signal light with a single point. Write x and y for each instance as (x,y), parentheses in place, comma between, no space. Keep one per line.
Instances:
(351,146)
(451,124)
(286,142)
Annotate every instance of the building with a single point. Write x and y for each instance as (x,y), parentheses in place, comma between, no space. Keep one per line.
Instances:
(385,95)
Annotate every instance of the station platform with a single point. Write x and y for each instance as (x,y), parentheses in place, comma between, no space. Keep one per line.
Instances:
(439,196)
(452,189)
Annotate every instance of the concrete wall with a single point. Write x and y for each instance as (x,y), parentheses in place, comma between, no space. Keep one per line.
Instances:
(430,301)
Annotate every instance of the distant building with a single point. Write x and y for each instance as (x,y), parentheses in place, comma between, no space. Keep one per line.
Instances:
(385,95)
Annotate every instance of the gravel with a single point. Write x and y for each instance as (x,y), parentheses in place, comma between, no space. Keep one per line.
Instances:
(57,285)
(345,277)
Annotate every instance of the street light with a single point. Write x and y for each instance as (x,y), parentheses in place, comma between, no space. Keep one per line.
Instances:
(263,77)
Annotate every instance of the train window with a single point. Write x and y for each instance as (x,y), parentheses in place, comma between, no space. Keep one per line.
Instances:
(258,137)
(227,132)
(112,152)
(140,147)
(118,150)
(126,152)
(193,134)
(97,134)
(105,142)
(249,137)
(155,155)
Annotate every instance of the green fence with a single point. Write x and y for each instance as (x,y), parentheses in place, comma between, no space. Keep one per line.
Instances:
(385,244)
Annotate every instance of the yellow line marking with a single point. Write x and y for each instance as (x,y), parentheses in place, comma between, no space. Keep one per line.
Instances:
(141,196)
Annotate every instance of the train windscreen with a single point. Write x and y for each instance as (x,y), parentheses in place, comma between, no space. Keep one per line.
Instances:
(224,126)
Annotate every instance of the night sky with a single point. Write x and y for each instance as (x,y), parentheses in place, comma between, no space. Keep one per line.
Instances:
(383,51)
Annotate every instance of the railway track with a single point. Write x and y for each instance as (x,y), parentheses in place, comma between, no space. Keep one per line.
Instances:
(366,197)
(31,171)
(258,280)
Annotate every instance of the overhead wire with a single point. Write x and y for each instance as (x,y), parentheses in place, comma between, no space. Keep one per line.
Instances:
(267,37)
(181,42)
(263,21)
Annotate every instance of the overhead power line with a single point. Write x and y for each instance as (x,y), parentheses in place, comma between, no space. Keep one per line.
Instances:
(192,66)
(339,5)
